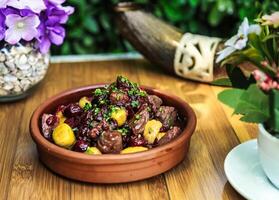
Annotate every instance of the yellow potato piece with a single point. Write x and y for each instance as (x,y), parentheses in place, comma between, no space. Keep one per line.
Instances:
(151,130)
(61,117)
(92,151)
(119,115)
(133,150)
(83,101)
(160,135)
(63,135)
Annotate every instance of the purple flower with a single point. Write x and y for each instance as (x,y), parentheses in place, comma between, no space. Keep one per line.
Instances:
(23,12)
(50,34)
(21,28)
(50,29)
(2,25)
(39,19)
(36,6)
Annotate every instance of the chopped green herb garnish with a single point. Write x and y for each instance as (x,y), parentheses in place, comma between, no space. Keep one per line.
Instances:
(91,125)
(97,111)
(87,106)
(103,101)
(98,92)
(137,116)
(142,93)
(135,104)
(113,108)
(123,131)
(123,79)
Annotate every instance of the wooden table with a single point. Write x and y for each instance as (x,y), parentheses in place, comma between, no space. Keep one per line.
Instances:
(200,176)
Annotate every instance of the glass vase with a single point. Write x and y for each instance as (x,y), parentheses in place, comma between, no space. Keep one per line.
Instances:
(22,68)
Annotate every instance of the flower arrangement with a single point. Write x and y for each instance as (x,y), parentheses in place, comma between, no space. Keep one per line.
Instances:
(256,96)
(40,21)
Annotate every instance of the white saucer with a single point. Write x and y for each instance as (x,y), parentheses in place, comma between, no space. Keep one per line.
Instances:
(244,172)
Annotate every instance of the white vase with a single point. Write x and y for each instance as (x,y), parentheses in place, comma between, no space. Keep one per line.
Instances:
(268,147)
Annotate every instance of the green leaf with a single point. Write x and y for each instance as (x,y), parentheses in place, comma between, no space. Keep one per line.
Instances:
(215,16)
(251,103)
(91,25)
(230,97)
(253,100)
(193,3)
(254,117)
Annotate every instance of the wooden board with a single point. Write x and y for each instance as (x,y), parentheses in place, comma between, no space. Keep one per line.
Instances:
(200,176)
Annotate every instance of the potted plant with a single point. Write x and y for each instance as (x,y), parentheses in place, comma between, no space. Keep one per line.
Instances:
(256,96)
(27,30)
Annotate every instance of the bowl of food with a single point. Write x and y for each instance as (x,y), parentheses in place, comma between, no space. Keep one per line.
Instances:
(112,133)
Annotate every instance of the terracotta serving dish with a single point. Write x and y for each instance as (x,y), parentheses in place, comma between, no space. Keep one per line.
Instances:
(111,168)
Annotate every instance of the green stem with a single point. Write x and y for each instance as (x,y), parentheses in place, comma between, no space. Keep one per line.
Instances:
(274,110)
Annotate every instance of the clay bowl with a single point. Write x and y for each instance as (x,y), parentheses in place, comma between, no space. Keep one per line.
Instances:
(111,168)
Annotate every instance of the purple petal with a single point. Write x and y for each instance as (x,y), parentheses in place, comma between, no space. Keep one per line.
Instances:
(2,25)
(12,19)
(57,2)
(12,36)
(32,21)
(29,34)
(26,12)
(36,6)
(68,9)
(44,45)
(57,35)
(8,11)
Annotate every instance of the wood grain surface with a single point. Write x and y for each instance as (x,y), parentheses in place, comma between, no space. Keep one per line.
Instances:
(200,176)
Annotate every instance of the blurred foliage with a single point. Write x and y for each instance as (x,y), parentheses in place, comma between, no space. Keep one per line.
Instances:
(91,29)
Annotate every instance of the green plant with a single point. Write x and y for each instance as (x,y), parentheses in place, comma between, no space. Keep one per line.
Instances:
(92,30)
(255,98)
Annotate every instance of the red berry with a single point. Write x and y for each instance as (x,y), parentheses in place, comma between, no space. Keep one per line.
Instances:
(80,146)
(51,120)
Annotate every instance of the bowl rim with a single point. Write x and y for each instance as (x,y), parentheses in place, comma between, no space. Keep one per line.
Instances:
(72,156)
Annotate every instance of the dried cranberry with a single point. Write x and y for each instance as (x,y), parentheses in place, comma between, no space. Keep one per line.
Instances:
(80,146)
(87,116)
(164,128)
(137,140)
(83,130)
(72,122)
(72,110)
(51,120)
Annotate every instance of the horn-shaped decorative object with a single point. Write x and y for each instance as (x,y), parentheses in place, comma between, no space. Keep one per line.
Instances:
(187,55)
